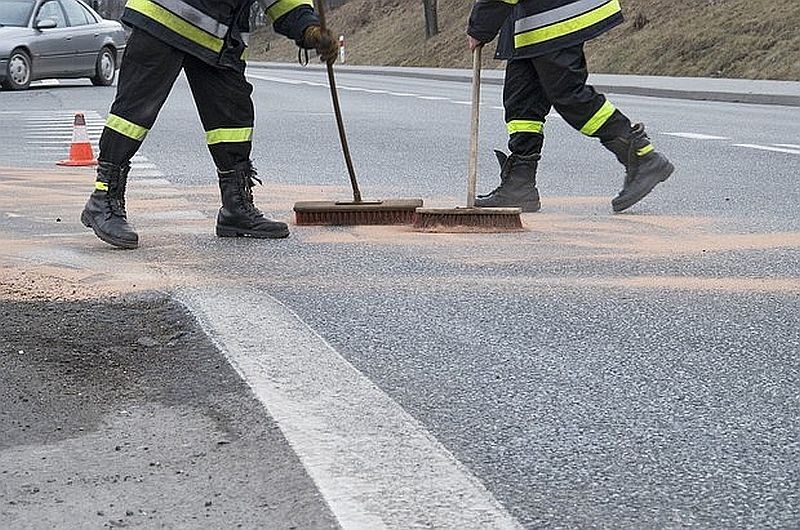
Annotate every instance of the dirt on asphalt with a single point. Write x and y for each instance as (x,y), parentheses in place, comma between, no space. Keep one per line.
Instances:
(118,411)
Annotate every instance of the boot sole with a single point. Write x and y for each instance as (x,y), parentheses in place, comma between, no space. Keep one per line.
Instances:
(620,205)
(88,222)
(223,231)
(531,207)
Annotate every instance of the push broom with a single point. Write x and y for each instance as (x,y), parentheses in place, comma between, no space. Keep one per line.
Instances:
(471,218)
(357,211)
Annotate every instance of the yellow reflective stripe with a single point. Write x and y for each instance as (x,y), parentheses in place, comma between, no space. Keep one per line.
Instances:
(281,7)
(646,149)
(126,128)
(101,186)
(512,2)
(599,119)
(175,23)
(218,136)
(568,26)
(527,126)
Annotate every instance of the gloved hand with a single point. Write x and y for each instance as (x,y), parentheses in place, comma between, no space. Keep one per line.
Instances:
(323,41)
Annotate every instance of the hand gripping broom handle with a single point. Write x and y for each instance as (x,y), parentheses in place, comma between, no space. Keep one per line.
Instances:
(472,172)
(338,111)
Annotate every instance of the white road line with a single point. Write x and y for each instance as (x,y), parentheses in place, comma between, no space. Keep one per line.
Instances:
(355,89)
(37,113)
(64,149)
(461,102)
(769,148)
(145,173)
(788,146)
(61,126)
(375,465)
(65,119)
(276,79)
(51,132)
(292,81)
(154,182)
(695,136)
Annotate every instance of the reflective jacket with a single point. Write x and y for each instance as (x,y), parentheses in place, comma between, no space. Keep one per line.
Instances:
(216,31)
(535,27)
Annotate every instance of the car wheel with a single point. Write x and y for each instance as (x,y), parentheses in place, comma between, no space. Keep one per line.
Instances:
(18,71)
(105,68)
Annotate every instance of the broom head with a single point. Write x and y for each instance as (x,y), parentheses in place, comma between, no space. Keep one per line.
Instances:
(389,212)
(468,220)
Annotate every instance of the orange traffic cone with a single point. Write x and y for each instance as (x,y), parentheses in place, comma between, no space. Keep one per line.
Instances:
(80,151)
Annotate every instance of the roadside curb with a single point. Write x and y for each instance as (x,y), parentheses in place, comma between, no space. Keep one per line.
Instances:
(627,85)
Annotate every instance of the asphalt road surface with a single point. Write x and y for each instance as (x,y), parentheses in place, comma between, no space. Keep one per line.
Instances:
(597,370)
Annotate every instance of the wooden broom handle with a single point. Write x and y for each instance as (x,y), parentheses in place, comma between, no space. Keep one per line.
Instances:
(337,110)
(472,172)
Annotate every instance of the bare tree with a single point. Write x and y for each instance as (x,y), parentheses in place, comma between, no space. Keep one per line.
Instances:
(431,18)
(111,9)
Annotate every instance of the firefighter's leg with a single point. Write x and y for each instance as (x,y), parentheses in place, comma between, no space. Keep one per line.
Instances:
(564,77)
(223,98)
(526,107)
(148,71)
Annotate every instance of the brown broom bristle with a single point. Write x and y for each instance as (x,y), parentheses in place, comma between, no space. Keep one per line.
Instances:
(392,217)
(390,212)
(468,220)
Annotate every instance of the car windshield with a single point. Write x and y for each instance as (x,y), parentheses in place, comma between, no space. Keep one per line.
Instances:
(15,12)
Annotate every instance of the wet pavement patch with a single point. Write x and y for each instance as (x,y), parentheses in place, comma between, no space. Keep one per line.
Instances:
(121,412)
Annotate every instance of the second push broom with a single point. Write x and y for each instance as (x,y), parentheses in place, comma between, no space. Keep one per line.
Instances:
(357,211)
(471,218)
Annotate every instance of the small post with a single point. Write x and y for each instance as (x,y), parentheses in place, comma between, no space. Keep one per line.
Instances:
(431,18)
(341,49)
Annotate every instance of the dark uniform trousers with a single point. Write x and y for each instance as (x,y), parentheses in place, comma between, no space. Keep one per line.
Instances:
(150,68)
(555,80)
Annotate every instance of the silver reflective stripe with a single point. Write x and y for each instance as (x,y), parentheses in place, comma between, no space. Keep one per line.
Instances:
(194,16)
(556,15)
(246,39)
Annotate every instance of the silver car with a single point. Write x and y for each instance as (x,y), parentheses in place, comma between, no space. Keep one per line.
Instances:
(42,39)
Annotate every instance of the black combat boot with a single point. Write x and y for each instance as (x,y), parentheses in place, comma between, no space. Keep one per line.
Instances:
(238,216)
(644,167)
(105,211)
(517,187)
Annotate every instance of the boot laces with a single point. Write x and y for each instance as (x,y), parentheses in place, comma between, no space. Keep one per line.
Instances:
(504,171)
(248,182)
(116,209)
(632,166)
(116,204)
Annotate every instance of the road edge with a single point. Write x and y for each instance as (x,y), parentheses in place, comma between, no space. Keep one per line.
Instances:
(627,88)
